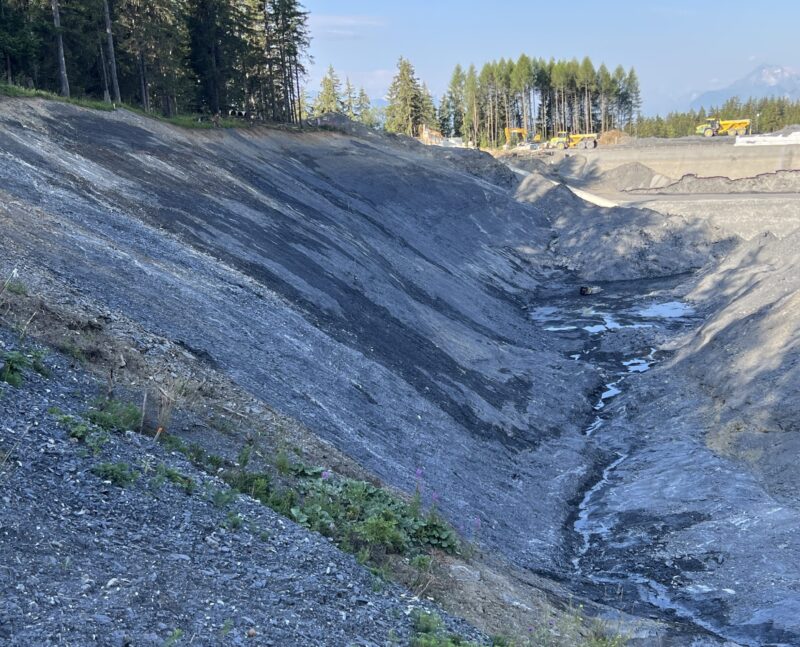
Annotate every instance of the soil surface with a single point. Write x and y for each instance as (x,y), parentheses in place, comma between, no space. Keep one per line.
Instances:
(420,310)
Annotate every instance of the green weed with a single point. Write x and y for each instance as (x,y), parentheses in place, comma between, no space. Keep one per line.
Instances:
(113,415)
(120,474)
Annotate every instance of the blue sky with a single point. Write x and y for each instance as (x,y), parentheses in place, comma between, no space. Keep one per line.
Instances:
(676,49)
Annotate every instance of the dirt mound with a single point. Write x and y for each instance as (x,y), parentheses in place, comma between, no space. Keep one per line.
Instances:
(777,182)
(748,353)
(633,175)
(788,130)
(613,138)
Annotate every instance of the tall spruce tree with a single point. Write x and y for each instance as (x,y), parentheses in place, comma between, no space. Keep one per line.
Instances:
(329,99)
(406,106)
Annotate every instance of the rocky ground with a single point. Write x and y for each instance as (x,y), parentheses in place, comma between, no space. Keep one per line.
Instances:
(414,311)
(171,554)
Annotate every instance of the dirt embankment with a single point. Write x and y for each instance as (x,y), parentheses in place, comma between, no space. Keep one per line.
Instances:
(777,182)
(379,293)
(747,353)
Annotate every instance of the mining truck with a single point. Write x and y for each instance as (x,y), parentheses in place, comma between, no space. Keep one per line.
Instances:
(564,140)
(731,127)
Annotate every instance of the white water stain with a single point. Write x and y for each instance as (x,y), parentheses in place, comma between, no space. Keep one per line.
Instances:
(638,365)
(611,391)
(544,313)
(560,328)
(598,422)
(669,310)
(583,525)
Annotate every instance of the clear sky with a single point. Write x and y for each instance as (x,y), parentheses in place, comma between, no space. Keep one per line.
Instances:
(679,48)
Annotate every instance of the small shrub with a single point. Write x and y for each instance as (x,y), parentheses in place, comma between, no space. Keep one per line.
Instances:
(113,415)
(17,287)
(186,483)
(38,365)
(173,638)
(234,521)
(222,498)
(426,623)
(120,474)
(14,365)
(282,463)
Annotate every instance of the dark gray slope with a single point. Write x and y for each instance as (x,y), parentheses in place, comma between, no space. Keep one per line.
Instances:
(371,290)
(88,563)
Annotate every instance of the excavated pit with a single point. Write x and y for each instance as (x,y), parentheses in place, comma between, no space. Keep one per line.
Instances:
(421,311)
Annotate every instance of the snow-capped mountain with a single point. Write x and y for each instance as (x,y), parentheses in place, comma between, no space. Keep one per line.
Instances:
(764,81)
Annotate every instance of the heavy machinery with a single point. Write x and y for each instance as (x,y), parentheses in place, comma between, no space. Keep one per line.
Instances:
(564,140)
(713,126)
(523,133)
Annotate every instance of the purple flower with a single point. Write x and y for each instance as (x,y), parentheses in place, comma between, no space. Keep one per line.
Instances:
(326,475)
(477,523)
(435,498)
(419,473)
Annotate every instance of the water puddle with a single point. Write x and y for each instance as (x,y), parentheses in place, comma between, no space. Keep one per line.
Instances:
(668,310)
(585,525)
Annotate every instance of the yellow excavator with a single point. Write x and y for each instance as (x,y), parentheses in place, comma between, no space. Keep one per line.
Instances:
(523,136)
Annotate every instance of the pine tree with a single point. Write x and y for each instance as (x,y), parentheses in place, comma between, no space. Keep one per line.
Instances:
(404,114)
(364,111)
(349,100)
(329,99)
(62,66)
(427,108)
(455,100)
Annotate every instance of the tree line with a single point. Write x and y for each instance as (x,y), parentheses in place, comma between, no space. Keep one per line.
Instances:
(165,55)
(542,96)
(766,115)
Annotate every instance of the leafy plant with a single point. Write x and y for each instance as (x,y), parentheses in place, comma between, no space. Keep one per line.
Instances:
(14,365)
(186,483)
(17,287)
(120,474)
(113,415)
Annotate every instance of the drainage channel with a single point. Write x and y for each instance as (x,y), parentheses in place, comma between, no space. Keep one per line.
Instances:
(586,321)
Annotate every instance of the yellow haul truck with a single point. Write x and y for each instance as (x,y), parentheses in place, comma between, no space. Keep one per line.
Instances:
(731,127)
(564,140)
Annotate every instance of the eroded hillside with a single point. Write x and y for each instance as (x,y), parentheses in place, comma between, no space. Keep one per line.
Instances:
(420,310)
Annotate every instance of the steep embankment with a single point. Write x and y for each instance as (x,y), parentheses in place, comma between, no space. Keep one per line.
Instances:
(374,291)
(420,310)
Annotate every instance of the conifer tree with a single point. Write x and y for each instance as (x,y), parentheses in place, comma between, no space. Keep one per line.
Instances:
(329,99)
(404,114)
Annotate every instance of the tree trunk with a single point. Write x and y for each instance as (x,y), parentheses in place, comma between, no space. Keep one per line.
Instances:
(8,68)
(112,58)
(62,65)
(106,95)
(143,83)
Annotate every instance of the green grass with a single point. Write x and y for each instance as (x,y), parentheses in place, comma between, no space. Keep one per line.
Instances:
(429,632)
(164,473)
(18,91)
(193,121)
(113,415)
(17,287)
(120,474)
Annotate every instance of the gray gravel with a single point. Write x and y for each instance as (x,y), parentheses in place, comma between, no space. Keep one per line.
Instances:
(87,562)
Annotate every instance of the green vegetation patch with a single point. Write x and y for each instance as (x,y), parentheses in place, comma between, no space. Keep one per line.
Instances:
(120,474)
(13,368)
(114,415)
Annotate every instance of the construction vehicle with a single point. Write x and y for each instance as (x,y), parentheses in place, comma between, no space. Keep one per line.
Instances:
(564,140)
(523,133)
(713,126)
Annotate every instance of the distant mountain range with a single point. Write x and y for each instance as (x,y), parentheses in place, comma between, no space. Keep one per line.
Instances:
(764,81)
